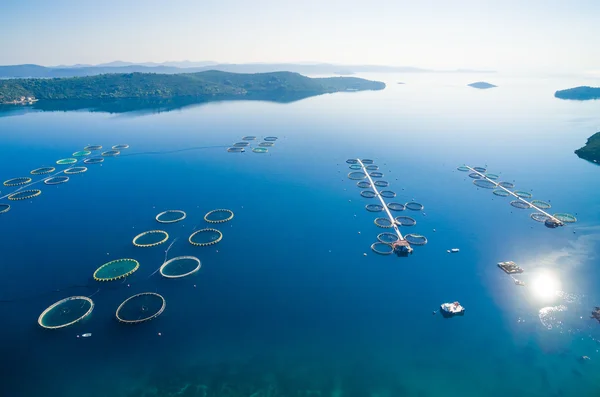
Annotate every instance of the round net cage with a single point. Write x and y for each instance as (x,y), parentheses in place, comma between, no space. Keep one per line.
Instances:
(566,218)
(241,144)
(357,175)
(374,207)
(480,169)
(541,204)
(150,238)
(4,208)
(249,138)
(114,270)
(372,167)
(171,216)
(236,150)
(66,161)
(368,194)
(474,175)
(111,153)
(66,312)
(381,183)
(396,206)
(140,308)
(523,194)
(43,170)
(204,237)
(120,147)
(218,216)
(355,167)
(539,217)
(25,194)
(352,161)
(484,183)
(414,206)
(17,181)
(463,168)
(382,248)
(92,147)
(180,266)
(507,185)
(363,184)
(367,161)
(501,193)
(416,239)
(270,138)
(520,204)
(375,174)
(492,176)
(405,221)
(387,238)
(56,180)
(82,153)
(387,194)
(384,222)
(266,144)
(75,170)
(260,150)
(94,160)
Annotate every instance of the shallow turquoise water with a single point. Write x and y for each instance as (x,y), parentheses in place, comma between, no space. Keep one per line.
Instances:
(289,302)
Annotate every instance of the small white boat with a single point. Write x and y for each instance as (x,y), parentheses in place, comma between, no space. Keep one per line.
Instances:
(86,335)
(452,309)
(453,250)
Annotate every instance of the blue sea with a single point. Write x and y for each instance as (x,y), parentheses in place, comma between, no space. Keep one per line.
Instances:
(292,302)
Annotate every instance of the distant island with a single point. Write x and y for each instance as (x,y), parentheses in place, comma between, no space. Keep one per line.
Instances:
(209,85)
(582,93)
(481,85)
(591,150)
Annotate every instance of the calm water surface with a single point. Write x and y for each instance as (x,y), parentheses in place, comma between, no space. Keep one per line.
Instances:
(287,304)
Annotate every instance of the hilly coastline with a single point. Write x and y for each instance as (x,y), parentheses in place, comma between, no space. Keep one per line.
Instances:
(582,93)
(591,150)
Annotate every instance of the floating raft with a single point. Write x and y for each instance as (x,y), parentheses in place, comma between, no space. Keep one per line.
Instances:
(510,267)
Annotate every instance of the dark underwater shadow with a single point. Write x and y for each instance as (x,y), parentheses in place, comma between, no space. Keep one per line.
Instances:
(144,106)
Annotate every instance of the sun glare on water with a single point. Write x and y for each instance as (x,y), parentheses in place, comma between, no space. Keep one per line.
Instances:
(545,286)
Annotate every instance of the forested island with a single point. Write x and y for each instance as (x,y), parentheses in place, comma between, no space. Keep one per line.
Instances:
(582,93)
(482,85)
(591,150)
(210,84)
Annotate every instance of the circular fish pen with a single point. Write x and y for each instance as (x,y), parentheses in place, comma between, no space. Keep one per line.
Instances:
(43,170)
(94,160)
(414,206)
(376,174)
(82,153)
(474,175)
(396,207)
(541,204)
(355,166)
(205,237)
(387,194)
(352,161)
(405,221)
(374,207)
(249,138)
(382,248)
(180,266)
(18,181)
(381,183)
(383,222)
(522,205)
(507,185)
(260,150)
(24,194)
(372,167)
(140,308)
(463,168)
(266,144)
(117,269)
(270,138)
(120,147)
(241,144)
(387,238)
(150,238)
(480,169)
(522,194)
(236,150)
(363,184)
(56,180)
(368,194)
(566,218)
(92,147)
(484,183)
(367,161)
(66,312)
(492,176)
(416,239)
(357,175)
(501,193)
(539,217)
(218,216)
(111,153)
(4,208)
(66,161)
(75,170)
(171,216)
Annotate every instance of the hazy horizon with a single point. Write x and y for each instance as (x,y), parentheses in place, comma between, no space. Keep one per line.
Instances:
(544,36)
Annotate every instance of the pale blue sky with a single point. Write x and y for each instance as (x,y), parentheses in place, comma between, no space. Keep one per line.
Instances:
(505,35)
